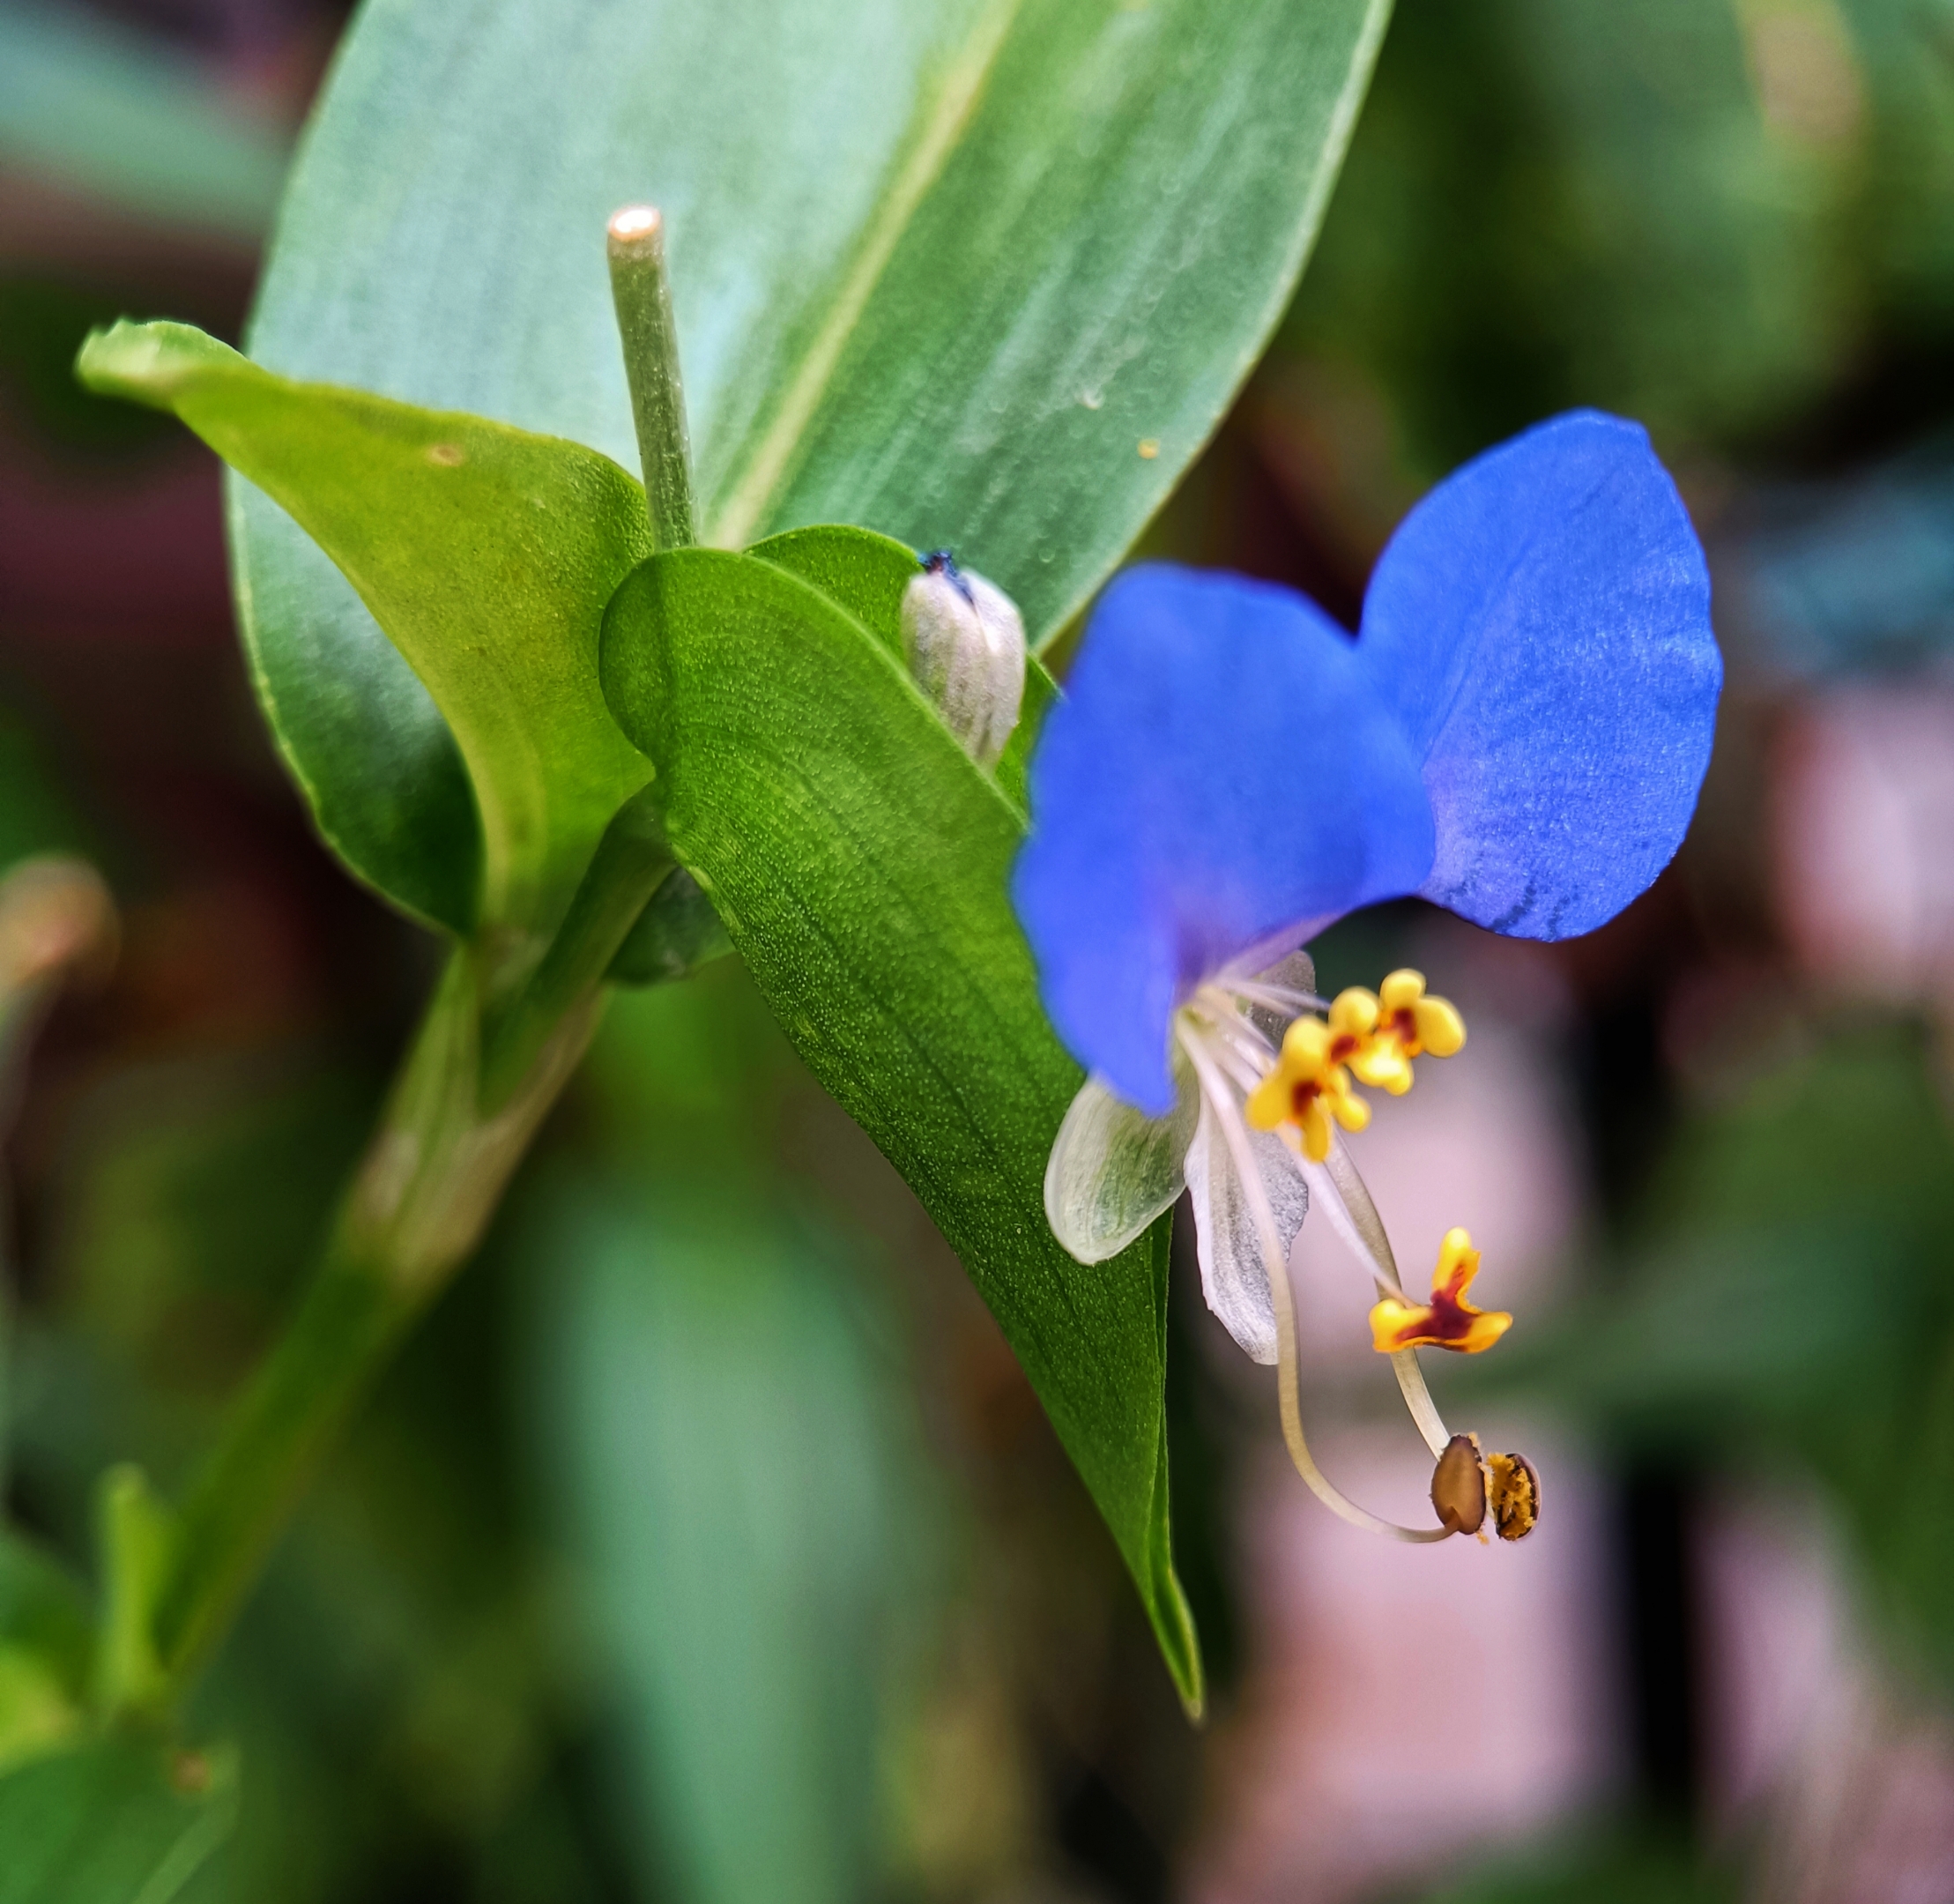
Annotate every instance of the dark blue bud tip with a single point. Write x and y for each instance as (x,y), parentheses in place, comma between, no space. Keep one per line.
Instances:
(940,562)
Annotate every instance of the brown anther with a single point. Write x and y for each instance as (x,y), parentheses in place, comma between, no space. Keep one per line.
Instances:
(1459,1487)
(1513,1494)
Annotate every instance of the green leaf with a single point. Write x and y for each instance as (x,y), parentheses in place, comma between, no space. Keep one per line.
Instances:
(121,1822)
(944,266)
(858,570)
(732,1462)
(858,859)
(485,554)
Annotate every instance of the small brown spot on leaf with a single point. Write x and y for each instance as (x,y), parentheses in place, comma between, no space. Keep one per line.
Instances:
(1149,448)
(447,455)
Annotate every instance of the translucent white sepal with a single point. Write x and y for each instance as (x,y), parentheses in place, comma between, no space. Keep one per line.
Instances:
(1113,1170)
(1234,1275)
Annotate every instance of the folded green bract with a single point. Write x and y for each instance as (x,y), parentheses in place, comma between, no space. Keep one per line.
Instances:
(487,553)
(857,856)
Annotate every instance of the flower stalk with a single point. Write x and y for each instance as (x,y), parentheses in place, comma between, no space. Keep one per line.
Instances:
(413,1212)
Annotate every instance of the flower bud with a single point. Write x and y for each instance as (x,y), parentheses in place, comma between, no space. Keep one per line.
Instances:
(963,640)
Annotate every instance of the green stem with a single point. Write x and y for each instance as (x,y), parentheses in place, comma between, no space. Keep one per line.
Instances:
(631,861)
(642,294)
(414,1210)
(475,1085)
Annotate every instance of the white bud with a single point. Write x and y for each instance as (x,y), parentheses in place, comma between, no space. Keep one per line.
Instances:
(963,640)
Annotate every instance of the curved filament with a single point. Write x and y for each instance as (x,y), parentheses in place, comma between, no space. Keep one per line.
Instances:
(1222,1106)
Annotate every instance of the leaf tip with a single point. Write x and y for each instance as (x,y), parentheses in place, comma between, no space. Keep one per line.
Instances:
(1181,1648)
(148,363)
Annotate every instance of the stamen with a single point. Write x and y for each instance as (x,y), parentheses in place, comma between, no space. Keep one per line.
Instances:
(1468,1484)
(1235,1133)
(1295,1089)
(1244,1038)
(1459,1485)
(1336,1188)
(1233,1063)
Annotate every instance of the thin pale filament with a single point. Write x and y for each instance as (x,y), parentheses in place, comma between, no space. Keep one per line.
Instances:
(1222,1107)
(1216,1009)
(1247,1043)
(1276,997)
(1232,1046)
(1346,1201)
(1237,1067)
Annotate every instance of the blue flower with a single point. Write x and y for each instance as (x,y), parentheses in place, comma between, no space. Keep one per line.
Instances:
(1517,731)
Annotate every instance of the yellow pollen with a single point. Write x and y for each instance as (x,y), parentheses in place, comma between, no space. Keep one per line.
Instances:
(1512,1493)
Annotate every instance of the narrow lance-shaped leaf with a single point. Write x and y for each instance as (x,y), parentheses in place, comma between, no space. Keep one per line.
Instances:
(485,553)
(734,1471)
(984,273)
(858,859)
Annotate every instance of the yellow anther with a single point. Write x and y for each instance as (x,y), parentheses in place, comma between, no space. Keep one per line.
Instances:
(1308,1084)
(1406,1024)
(1448,1321)
(1353,1018)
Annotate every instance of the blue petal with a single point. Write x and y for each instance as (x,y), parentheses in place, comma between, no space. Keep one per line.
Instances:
(1218,771)
(1540,623)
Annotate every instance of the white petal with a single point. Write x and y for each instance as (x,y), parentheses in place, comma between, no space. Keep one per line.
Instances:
(1234,1277)
(1113,1170)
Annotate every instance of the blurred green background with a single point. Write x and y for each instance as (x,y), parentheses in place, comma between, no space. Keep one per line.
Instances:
(706,1543)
